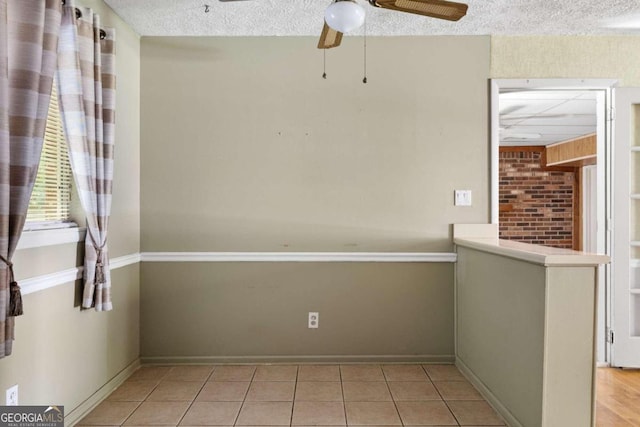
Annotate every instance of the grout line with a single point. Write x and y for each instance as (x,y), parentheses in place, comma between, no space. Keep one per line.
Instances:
(132,412)
(395,405)
(293,401)
(211,373)
(145,398)
(344,403)
(441,396)
(194,397)
(255,369)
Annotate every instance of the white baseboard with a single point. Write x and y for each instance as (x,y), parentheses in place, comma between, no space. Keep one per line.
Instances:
(491,398)
(77,414)
(214,360)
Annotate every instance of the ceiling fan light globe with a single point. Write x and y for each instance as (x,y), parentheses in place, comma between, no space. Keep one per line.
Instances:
(344,16)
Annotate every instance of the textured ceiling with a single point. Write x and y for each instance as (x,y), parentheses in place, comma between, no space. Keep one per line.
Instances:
(305,17)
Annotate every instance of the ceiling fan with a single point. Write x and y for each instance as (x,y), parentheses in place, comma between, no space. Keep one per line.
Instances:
(440,9)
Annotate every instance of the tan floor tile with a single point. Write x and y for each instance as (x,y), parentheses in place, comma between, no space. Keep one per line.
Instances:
(271,391)
(366,391)
(404,373)
(276,373)
(212,414)
(372,413)
(319,373)
(223,391)
(443,373)
(413,390)
(158,413)
(133,391)
(150,373)
(109,413)
(189,373)
(176,390)
(361,373)
(319,391)
(425,413)
(457,390)
(318,413)
(265,414)
(471,413)
(233,373)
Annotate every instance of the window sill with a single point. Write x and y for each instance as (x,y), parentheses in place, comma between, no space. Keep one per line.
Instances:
(47,236)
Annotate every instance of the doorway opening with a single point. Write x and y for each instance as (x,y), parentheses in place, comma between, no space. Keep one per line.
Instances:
(551,170)
(547,138)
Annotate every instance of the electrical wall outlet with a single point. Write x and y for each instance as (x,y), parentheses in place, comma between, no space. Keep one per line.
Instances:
(314,319)
(12,396)
(462,198)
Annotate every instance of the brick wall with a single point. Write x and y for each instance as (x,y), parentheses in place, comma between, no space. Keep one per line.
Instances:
(536,205)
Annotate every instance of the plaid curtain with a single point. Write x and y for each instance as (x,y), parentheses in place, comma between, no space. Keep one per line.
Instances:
(86,79)
(28,41)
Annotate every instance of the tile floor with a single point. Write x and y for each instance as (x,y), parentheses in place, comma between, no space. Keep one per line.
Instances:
(305,395)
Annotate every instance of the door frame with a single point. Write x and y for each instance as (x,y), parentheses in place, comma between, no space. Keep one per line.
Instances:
(625,347)
(605,156)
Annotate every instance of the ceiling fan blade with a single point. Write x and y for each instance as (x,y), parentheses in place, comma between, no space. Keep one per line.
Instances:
(329,38)
(440,9)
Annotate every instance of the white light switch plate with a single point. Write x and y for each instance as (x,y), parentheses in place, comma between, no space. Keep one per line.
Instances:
(462,198)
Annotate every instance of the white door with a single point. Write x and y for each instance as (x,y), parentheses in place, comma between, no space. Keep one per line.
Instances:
(625,334)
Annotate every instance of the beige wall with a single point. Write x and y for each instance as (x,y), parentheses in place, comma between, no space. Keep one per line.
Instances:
(500,305)
(567,57)
(258,311)
(246,148)
(518,341)
(63,354)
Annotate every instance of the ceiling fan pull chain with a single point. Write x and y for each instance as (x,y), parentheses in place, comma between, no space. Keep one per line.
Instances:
(364,80)
(324,63)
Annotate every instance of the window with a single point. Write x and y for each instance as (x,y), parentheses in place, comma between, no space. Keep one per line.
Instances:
(50,202)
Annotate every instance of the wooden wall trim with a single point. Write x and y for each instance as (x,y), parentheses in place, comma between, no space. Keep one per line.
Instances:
(574,152)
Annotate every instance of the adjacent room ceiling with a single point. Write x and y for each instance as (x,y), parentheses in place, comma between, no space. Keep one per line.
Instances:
(305,18)
(543,117)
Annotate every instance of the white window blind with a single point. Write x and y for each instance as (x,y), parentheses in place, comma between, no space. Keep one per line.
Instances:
(51,198)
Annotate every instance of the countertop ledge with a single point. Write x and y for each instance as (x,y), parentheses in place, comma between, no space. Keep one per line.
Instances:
(547,256)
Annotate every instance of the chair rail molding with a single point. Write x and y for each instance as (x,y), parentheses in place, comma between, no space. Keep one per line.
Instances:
(446,257)
(46,281)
